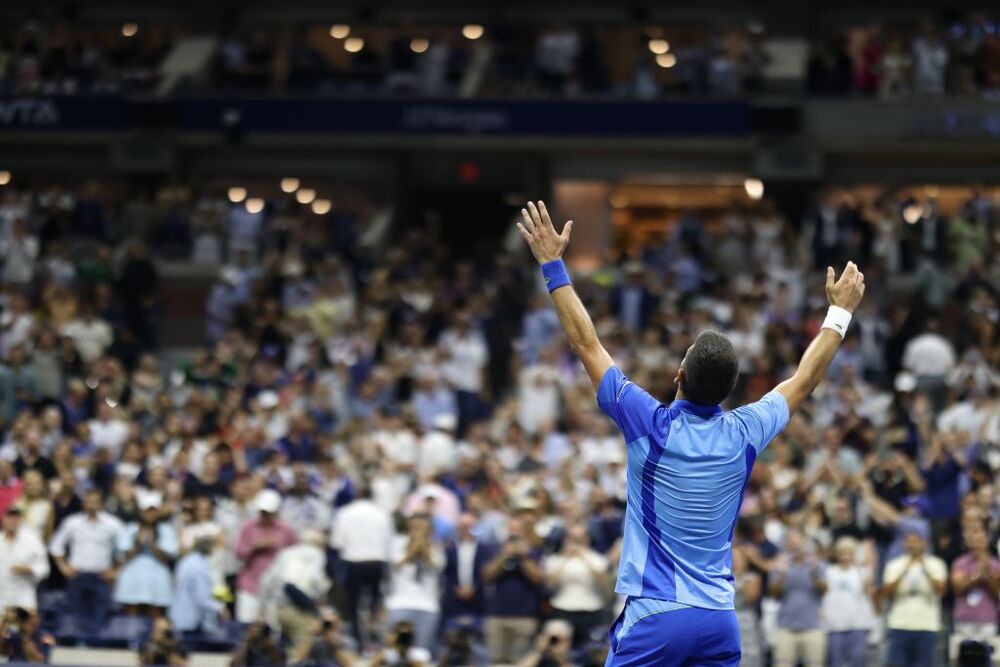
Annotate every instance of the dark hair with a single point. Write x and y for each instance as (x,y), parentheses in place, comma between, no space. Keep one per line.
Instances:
(710,369)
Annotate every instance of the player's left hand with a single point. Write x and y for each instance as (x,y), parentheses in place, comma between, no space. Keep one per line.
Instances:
(546,245)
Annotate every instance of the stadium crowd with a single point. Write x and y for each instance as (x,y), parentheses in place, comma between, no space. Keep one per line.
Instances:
(954,55)
(392,453)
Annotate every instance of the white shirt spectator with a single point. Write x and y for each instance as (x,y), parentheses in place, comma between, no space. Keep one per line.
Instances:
(466,551)
(399,445)
(19,256)
(437,453)
(305,512)
(25,549)
(930,59)
(577,588)
(467,356)
(929,355)
(302,565)
(915,607)
(109,433)
(414,587)
(90,541)
(362,532)
(91,335)
(845,604)
(16,328)
(538,396)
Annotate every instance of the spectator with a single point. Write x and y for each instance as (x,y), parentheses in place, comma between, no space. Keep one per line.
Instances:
(163,648)
(259,649)
(194,609)
(438,451)
(326,646)
(464,586)
(577,577)
(18,384)
(975,580)
(293,587)
(21,637)
(11,488)
(465,358)
(257,546)
(798,583)
(913,585)
(84,551)
(847,610)
(24,562)
(749,590)
(414,584)
(514,589)
(35,506)
(91,335)
(552,647)
(147,549)
(930,58)
(302,509)
(362,537)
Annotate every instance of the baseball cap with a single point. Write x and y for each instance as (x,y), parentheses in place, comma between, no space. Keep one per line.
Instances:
(267,500)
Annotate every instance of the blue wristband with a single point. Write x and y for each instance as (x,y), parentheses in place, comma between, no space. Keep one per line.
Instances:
(555,275)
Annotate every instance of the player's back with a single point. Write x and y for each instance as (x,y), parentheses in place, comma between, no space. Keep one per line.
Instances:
(688,466)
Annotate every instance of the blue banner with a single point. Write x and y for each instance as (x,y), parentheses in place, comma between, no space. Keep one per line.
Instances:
(44,112)
(399,117)
(467,117)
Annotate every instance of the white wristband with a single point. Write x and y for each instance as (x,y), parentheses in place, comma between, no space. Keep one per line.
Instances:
(837,319)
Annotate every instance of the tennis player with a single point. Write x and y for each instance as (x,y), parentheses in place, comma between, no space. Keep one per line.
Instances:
(688,466)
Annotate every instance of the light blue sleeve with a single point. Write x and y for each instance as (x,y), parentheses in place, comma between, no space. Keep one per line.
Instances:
(166,539)
(629,405)
(125,538)
(763,420)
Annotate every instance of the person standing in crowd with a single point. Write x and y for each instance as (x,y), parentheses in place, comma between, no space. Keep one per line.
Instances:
(257,546)
(24,563)
(913,584)
(84,551)
(975,580)
(11,488)
(552,648)
(414,595)
(147,549)
(577,577)
(514,581)
(798,583)
(194,609)
(163,647)
(847,608)
(294,586)
(362,537)
(749,589)
(464,586)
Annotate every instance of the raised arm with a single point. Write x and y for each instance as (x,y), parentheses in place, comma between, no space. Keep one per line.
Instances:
(547,246)
(844,296)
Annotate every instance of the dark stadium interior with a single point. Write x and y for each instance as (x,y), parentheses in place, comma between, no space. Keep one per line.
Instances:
(280,382)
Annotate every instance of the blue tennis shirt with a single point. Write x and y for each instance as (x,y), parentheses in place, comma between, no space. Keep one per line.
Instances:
(688,467)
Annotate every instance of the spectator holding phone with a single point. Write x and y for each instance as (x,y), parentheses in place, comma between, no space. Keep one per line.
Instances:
(514,579)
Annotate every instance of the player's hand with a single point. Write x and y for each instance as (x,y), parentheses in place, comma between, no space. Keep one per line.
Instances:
(546,245)
(848,290)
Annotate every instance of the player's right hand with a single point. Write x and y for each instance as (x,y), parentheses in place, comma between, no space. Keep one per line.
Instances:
(536,228)
(848,290)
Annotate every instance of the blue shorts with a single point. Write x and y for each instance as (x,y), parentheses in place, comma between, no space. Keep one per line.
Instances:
(669,634)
